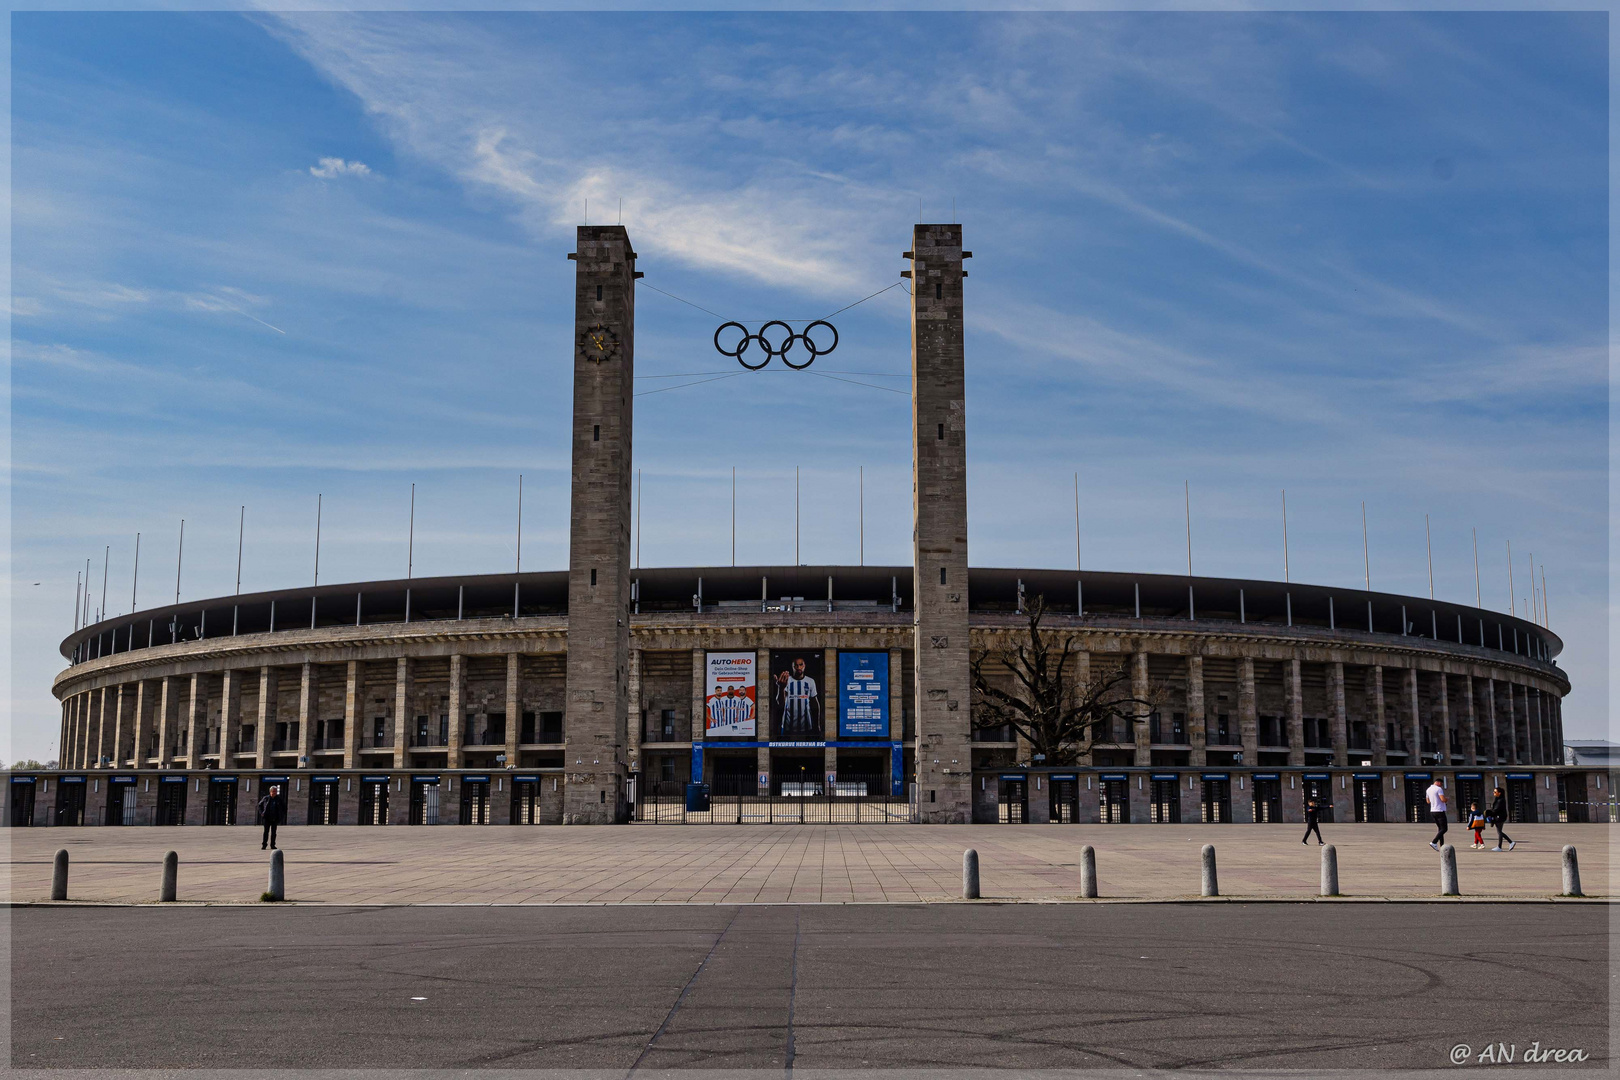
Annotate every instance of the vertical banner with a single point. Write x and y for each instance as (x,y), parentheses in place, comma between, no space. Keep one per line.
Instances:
(730,695)
(863,695)
(796,709)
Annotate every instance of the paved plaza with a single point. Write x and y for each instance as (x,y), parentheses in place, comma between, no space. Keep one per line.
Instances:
(930,988)
(796,864)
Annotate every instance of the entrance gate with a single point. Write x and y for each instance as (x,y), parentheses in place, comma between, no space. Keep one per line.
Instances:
(1065,795)
(373,800)
(665,802)
(1114,799)
(1267,798)
(22,801)
(1320,788)
(1369,798)
(475,800)
(1470,789)
(121,800)
(1417,807)
(424,800)
(1521,797)
(1013,796)
(171,801)
(222,800)
(70,800)
(1217,799)
(323,800)
(526,800)
(1165,809)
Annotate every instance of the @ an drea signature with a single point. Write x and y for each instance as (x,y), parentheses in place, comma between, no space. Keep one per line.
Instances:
(1510,1054)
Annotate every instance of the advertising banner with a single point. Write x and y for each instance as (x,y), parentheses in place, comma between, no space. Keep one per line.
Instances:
(796,703)
(729,695)
(863,695)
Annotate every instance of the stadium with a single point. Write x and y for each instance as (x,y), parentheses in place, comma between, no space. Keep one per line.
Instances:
(607,693)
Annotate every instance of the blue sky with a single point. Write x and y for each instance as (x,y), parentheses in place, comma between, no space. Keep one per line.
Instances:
(1362,257)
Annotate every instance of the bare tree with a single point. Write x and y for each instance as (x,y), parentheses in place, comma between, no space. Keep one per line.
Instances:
(1058,715)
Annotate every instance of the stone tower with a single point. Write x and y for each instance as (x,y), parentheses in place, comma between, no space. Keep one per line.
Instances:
(599,527)
(939,535)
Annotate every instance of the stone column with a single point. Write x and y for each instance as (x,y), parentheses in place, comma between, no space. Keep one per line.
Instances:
(1296,714)
(514,706)
(196,718)
(230,717)
(700,716)
(1141,729)
(117,755)
(599,526)
(1512,715)
(402,710)
(829,700)
(1196,733)
(1493,755)
(458,695)
(269,692)
(1340,721)
(635,717)
(939,534)
(353,713)
(1532,715)
(1375,726)
(1248,724)
(165,729)
(308,702)
(1469,729)
(765,691)
(1411,717)
(142,731)
(1442,717)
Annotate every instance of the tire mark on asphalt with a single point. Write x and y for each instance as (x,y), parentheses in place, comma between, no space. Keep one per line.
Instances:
(685,990)
(793,992)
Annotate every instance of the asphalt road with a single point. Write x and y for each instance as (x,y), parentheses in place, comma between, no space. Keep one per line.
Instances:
(1237,986)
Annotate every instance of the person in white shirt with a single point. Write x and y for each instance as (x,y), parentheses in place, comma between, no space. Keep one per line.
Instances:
(1436,794)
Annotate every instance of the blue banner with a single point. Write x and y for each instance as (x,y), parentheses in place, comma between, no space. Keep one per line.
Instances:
(863,695)
(897,770)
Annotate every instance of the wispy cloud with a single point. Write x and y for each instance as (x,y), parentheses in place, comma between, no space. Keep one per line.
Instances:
(330,168)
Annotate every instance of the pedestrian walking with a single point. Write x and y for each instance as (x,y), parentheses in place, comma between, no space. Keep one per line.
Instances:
(1476,821)
(1497,814)
(271,812)
(1313,817)
(1436,794)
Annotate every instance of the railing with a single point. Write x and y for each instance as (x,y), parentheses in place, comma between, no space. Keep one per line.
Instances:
(665,803)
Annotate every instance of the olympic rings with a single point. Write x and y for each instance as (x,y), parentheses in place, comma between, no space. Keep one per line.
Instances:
(773,350)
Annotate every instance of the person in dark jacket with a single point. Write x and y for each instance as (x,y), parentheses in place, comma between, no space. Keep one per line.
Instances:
(1313,817)
(1496,815)
(271,813)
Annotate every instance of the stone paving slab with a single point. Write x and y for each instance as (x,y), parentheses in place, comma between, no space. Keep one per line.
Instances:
(782,864)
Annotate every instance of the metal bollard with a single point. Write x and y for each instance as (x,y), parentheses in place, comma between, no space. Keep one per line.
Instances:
(1088,872)
(970,874)
(1572,872)
(278,877)
(1210,886)
(1330,871)
(59,870)
(171,872)
(1448,871)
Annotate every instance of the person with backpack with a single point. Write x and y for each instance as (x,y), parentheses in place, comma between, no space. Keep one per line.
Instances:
(1476,821)
(271,813)
(1496,815)
(1313,817)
